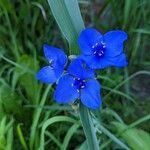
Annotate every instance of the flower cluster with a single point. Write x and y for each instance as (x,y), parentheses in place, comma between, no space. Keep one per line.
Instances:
(77,80)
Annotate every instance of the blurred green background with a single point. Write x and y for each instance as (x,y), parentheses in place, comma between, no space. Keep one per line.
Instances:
(26,104)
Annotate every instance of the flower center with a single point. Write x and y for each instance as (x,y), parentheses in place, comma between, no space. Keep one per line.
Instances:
(79,83)
(99,49)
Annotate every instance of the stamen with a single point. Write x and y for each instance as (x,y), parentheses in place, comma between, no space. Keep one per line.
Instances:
(99,49)
(79,84)
(94,52)
(82,86)
(50,61)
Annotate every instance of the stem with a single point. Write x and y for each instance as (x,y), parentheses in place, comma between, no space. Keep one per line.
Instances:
(88,128)
(71,24)
(36,117)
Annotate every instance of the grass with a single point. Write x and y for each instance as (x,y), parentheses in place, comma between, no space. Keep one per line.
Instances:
(27,109)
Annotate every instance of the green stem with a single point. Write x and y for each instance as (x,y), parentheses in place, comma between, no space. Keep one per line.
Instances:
(68,17)
(36,117)
(88,128)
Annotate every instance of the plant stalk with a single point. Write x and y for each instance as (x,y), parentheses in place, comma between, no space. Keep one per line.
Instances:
(88,128)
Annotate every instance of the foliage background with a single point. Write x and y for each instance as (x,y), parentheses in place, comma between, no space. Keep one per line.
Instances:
(25,104)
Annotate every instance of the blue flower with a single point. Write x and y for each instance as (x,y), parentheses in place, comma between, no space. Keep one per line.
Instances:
(57,60)
(79,83)
(100,51)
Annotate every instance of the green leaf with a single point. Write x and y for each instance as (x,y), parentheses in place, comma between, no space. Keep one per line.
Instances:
(127,9)
(83,146)
(2,133)
(141,120)
(36,117)
(53,138)
(69,20)
(68,136)
(10,100)
(112,137)
(142,31)
(51,121)
(1,109)
(26,79)
(137,139)
(10,138)
(88,127)
(6,133)
(6,4)
(21,137)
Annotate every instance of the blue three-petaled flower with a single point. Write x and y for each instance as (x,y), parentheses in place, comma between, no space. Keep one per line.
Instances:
(79,81)
(100,51)
(57,60)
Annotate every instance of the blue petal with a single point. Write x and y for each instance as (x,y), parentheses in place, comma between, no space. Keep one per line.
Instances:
(79,69)
(96,63)
(90,96)
(47,75)
(65,92)
(56,55)
(104,62)
(114,42)
(87,38)
(119,61)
